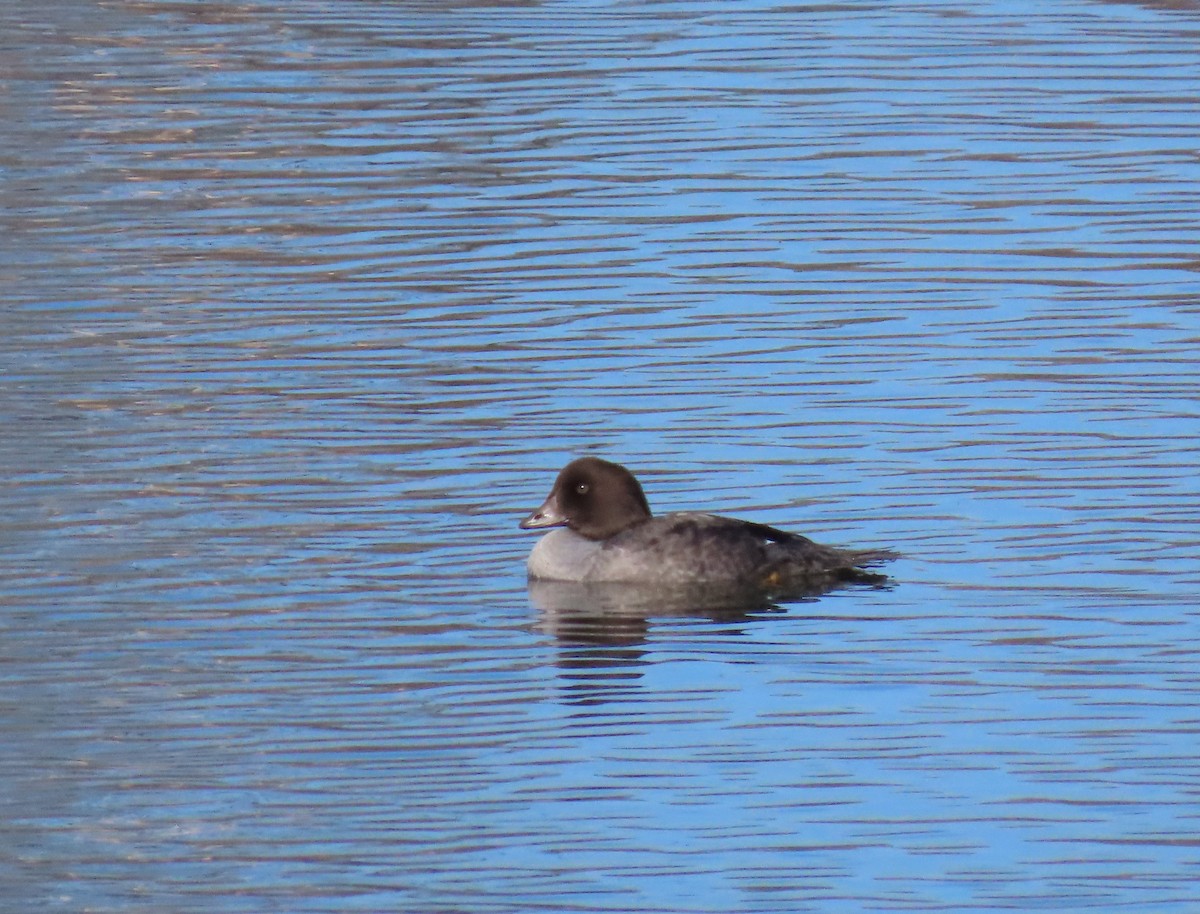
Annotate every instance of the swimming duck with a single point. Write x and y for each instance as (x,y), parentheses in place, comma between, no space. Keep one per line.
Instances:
(606,533)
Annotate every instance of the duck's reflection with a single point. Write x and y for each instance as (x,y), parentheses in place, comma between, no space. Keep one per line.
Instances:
(621,614)
(603,629)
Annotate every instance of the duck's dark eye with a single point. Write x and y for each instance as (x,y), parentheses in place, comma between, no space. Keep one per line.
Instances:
(582,488)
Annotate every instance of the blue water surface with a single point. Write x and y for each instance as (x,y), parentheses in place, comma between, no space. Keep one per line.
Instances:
(304,305)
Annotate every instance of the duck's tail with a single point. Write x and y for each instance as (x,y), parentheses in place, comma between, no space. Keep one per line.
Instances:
(858,560)
(866,558)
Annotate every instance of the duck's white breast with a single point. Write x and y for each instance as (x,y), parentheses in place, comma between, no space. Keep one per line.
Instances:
(562,555)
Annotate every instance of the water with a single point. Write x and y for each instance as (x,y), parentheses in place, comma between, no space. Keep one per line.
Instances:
(305,304)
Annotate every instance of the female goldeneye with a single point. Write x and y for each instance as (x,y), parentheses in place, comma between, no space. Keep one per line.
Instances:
(609,535)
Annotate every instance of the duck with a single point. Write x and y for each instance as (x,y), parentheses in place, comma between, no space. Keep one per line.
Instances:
(601,530)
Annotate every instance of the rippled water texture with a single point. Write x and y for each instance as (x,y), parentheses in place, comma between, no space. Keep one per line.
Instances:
(304,304)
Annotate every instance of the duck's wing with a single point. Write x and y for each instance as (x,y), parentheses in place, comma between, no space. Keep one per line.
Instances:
(797,554)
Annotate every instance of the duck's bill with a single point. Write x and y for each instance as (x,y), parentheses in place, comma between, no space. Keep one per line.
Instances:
(547,515)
